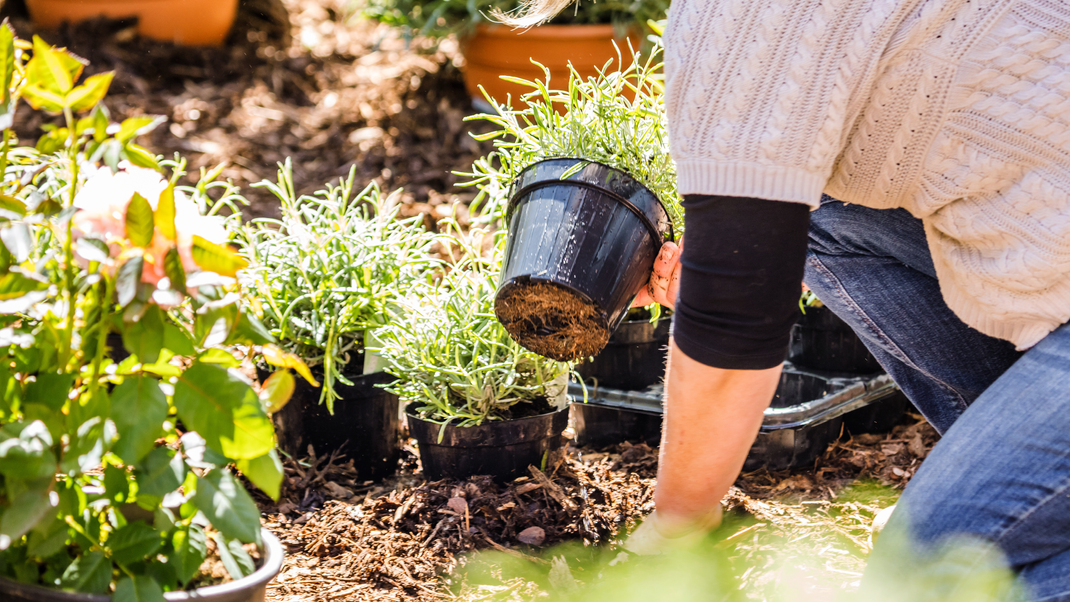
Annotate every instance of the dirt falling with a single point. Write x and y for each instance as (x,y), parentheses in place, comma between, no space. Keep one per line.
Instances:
(551,320)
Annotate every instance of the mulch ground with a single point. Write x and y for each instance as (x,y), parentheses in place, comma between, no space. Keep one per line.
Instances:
(305,80)
(406,539)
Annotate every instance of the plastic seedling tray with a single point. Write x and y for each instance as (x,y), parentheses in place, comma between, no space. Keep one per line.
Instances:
(806,414)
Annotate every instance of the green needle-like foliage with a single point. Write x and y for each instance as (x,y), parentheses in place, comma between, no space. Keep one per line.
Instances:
(617,118)
(330,268)
(450,353)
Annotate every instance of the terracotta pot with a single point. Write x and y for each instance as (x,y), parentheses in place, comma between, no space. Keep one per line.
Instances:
(495,50)
(190,22)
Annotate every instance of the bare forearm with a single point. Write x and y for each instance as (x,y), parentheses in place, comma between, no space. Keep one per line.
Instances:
(711,419)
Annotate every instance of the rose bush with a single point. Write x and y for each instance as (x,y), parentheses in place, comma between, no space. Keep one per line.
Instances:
(114,473)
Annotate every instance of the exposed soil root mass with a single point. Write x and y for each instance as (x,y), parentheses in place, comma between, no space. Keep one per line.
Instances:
(551,320)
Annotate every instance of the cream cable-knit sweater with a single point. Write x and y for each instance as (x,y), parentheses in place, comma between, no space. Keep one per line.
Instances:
(956,110)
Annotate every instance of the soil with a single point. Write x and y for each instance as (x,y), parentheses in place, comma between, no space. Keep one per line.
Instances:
(552,320)
(408,539)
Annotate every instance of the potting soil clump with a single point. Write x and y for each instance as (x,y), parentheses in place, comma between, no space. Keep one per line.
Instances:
(552,320)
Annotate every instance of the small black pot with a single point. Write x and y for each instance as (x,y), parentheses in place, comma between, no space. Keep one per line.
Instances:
(634,357)
(247,589)
(502,449)
(364,426)
(822,341)
(582,241)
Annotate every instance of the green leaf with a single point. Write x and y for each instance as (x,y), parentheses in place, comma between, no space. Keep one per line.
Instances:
(15,285)
(190,550)
(177,340)
(47,538)
(160,473)
(9,204)
(90,573)
(128,279)
(235,559)
(165,213)
(228,506)
(7,62)
(134,542)
(139,221)
(52,69)
(219,356)
(172,267)
(140,157)
(26,451)
(49,389)
(253,330)
(91,92)
(22,514)
(265,472)
(276,390)
(145,338)
(93,249)
(216,258)
(18,240)
(136,126)
(138,588)
(138,408)
(224,409)
(116,484)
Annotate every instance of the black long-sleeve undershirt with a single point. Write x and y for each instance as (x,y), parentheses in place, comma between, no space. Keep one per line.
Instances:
(741,270)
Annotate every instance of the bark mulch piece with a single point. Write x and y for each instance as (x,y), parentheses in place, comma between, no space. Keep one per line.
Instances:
(304,79)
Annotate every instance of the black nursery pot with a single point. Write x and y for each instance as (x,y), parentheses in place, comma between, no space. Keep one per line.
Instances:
(502,449)
(582,241)
(822,341)
(364,426)
(634,357)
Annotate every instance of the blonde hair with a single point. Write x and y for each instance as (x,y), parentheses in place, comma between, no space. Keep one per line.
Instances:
(530,12)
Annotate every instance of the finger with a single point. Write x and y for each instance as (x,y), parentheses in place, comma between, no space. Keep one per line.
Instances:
(667,259)
(644,298)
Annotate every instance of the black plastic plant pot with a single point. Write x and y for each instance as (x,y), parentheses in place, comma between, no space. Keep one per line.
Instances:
(822,341)
(634,357)
(582,241)
(247,589)
(364,426)
(502,449)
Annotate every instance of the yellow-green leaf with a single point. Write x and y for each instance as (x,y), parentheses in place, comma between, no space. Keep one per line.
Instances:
(277,390)
(165,213)
(139,221)
(87,95)
(42,99)
(140,157)
(53,69)
(284,359)
(7,60)
(211,257)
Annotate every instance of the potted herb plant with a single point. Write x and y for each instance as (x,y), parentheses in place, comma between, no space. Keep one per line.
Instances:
(591,197)
(115,478)
(190,22)
(584,36)
(476,401)
(321,277)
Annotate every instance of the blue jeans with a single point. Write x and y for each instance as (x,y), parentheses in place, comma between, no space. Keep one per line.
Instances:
(1001,472)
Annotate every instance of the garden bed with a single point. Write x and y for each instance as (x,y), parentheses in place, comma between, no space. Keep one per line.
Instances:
(401,540)
(300,79)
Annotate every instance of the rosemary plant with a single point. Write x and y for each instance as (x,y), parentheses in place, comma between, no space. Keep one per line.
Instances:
(617,118)
(450,353)
(329,270)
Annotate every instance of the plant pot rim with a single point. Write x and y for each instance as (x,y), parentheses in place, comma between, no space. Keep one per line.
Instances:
(273,556)
(410,405)
(572,32)
(649,223)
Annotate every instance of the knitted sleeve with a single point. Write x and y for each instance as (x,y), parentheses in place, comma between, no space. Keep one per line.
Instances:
(760,93)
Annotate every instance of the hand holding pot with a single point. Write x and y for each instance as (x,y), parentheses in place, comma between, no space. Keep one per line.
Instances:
(664,280)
